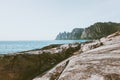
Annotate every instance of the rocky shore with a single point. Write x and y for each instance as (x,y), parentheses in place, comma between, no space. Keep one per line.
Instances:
(97,60)
(29,64)
(94,60)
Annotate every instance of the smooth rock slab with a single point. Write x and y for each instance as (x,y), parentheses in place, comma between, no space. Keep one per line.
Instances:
(96,62)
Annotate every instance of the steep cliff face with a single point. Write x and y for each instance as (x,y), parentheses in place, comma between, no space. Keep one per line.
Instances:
(99,30)
(75,34)
(97,60)
(95,31)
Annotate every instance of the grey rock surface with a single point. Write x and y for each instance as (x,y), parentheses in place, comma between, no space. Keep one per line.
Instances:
(98,60)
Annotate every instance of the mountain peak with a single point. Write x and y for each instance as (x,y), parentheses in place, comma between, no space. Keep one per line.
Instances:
(95,31)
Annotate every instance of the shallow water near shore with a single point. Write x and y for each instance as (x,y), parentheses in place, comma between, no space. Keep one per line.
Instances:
(17,46)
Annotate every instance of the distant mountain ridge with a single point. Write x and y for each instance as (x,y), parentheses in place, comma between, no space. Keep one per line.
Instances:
(95,31)
(75,34)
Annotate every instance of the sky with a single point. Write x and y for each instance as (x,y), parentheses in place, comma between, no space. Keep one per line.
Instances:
(44,19)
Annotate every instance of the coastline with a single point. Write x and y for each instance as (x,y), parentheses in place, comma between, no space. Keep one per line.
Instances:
(54,61)
(7,47)
(99,60)
(29,61)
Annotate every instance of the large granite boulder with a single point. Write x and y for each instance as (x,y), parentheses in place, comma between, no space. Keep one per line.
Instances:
(100,61)
(29,64)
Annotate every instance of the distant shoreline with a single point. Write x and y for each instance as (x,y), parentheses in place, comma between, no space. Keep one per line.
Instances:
(23,46)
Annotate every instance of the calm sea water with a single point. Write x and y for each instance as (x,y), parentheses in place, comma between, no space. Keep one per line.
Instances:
(17,46)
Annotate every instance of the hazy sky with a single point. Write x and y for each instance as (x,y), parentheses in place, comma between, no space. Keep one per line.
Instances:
(44,19)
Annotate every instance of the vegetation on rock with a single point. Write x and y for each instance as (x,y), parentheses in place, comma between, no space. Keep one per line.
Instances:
(95,31)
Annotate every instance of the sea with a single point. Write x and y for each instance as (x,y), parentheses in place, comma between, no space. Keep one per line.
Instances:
(7,47)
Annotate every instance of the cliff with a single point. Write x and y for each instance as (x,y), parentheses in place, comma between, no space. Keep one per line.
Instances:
(95,31)
(99,30)
(97,60)
(75,34)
